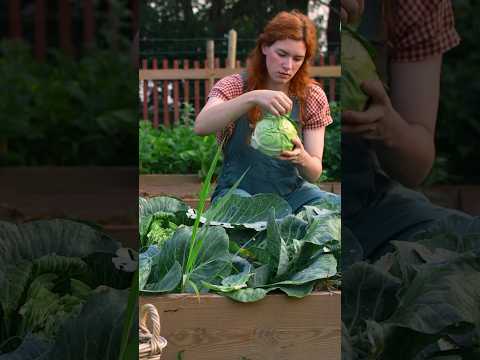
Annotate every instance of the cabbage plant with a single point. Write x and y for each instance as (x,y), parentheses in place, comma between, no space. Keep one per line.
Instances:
(357,66)
(274,134)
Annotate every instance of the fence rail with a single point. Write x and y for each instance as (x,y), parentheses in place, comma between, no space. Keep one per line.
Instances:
(163,90)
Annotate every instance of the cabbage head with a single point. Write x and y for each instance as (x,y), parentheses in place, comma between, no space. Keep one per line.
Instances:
(357,66)
(274,134)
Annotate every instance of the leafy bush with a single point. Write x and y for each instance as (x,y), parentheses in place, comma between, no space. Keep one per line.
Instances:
(178,150)
(67,111)
(259,247)
(55,276)
(458,126)
(175,150)
(332,153)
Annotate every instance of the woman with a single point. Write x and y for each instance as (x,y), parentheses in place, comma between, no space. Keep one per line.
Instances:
(389,148)
(277,82)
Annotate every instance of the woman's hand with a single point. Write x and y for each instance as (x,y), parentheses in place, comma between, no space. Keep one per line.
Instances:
(351,11)
(297,155)
(275,102)
(376,122)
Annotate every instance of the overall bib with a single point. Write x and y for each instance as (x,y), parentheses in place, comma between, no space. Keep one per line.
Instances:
(266,174)
(375,207)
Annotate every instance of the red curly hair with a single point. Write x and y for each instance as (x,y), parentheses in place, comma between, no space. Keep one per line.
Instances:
(285,25)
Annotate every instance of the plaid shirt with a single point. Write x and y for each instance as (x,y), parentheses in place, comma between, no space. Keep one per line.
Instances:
(316,110)
(421,29)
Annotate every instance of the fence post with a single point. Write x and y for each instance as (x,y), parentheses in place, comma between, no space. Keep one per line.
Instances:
(15,17)
(332,82)
(40,30)
(65,26)
(88,23)
(145,92)
(210,61)
(232,49)
(155,95)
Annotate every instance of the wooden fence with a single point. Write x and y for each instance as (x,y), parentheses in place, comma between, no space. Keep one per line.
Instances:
(64,19)
(166,85)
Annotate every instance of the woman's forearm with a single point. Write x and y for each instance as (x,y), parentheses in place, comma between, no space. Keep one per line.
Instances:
(409,156)
(218,116)
(311,168)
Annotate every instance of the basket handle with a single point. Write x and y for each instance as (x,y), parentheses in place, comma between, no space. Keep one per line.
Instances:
(156,342)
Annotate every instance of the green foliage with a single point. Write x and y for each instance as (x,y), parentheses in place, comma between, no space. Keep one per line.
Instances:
(423,294)
(67,111)
(178,150)
(54,281)
(332,153)
(286,252)
(175,150)
(458,127)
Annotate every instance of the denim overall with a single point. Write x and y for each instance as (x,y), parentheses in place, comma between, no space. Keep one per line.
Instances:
(376,208)
(266,174)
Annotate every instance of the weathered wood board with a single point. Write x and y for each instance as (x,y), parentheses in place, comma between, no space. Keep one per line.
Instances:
(212,327)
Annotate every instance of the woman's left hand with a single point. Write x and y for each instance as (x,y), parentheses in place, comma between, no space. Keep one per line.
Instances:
(375,123)
(297,155)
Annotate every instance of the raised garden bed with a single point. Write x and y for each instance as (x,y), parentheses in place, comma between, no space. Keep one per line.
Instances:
(461,197)
(187,187)
(106,196)
(212,327)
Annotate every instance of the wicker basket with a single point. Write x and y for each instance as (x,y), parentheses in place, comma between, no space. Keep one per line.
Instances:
(151,343)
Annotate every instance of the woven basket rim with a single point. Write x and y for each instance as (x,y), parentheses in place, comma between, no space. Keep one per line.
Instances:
(152,349)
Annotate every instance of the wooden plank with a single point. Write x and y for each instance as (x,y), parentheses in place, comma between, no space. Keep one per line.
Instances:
(232,49)
(321,63)
(40,30)
(166,118)
(135,6)
(15,19)
(208,83)
(186,85)
(155,95)
(196,87)
(199,74)
(65,26)
(209,64)
(212,327)
(88,23)
(176,96)
(145,91)
(332,82)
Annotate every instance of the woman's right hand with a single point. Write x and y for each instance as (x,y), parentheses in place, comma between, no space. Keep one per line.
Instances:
(275,102)
(351,11)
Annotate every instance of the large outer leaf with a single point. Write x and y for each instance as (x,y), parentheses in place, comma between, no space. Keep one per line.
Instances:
(323,230)
(160,204)
(35,239)
(357,66)
(321,266)
(368,293)
(250,212)
(212,263)
(96,333)
(439,297)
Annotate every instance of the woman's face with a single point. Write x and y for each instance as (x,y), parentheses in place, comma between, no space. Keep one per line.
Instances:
(283,59)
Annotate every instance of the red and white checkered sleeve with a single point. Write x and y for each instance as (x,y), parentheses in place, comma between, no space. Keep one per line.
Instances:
(226,89)
(422,29)
(317,110)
